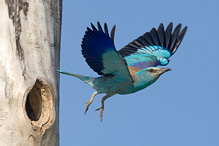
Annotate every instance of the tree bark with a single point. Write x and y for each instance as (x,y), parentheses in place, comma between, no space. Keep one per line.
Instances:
(30,33)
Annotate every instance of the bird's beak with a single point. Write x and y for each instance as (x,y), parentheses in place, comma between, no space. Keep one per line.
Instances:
(163,70)
(167,69)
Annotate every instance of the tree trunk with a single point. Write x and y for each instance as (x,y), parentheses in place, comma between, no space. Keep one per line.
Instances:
(29,84)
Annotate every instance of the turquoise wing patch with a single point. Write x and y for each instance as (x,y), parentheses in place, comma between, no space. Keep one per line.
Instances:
(153,48)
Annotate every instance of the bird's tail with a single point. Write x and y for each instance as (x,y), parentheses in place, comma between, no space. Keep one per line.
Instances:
(88,80)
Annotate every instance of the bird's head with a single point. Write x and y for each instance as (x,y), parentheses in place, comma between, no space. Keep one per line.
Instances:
(151,74)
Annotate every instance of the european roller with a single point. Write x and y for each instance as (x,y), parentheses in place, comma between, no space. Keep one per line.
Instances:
(132,68)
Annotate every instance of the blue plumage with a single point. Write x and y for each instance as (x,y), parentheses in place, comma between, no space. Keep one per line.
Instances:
(158,43)
(130,69)
(95,44)
(142,61)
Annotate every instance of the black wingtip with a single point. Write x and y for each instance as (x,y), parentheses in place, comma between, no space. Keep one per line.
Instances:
(160,32)
(93,27)
(179,39)
(161,25)
(160,37)
(170,24)
(88,29)
(106,29)
(184,29)
(113,32)
(168,35)
(174,37)
(169,27)
(99,26)
(154,37)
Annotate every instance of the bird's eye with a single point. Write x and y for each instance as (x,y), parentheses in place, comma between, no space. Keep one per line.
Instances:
(150,70)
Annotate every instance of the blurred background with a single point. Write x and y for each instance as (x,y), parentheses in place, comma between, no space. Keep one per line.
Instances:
(180,109)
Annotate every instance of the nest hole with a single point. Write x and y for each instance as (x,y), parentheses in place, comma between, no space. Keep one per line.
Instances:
(33,104)
(40,105)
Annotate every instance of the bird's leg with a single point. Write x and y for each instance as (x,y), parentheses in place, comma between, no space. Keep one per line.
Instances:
(90,101)
(102,107)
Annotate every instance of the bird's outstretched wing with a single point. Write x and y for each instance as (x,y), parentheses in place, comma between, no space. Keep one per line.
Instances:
(154,47)
(99,51)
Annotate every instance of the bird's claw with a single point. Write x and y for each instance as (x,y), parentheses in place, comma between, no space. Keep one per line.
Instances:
(101,112)
(98,109)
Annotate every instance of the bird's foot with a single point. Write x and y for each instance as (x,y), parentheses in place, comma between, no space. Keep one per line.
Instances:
(86,108)
(90,101)
(101,112)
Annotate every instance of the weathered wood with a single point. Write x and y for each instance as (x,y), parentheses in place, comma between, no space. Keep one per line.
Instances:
(29,84)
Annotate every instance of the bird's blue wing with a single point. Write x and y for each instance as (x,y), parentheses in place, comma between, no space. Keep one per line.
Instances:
(154,47)
(99,51)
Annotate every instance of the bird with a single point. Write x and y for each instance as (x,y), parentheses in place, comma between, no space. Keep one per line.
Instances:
(130,69)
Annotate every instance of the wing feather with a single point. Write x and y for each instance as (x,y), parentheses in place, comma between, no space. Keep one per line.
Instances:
(154,36)
(99,52)
(160,44)
(179,40)
(161,34)
(168,34)
(175,35)
(113,32)
(148,38)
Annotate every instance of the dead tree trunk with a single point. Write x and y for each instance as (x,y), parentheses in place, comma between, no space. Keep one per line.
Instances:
(29,84)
